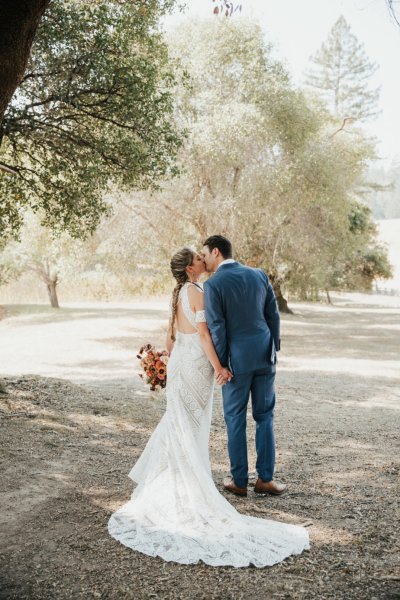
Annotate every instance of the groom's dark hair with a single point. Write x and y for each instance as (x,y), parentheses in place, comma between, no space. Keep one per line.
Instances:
(220,242)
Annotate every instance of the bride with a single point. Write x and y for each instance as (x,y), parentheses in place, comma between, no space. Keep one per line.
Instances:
(176,512)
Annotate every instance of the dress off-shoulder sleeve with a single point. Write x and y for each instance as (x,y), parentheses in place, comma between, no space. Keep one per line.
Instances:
(200,316)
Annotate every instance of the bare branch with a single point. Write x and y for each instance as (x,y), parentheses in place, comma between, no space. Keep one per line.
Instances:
(235,182)
(8,169)
(392,10)
(139,214)
(343,125)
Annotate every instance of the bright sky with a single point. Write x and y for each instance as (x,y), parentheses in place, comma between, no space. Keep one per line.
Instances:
(297,28)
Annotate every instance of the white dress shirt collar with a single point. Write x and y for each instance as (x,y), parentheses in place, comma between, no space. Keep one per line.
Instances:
(227,261)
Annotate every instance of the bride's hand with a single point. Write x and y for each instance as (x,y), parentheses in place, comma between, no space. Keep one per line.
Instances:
(223,375)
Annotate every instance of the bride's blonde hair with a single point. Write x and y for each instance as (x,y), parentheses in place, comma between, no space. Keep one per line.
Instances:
(180,261)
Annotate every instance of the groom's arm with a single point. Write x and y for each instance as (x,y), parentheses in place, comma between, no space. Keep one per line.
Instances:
(271,313)
(216,322)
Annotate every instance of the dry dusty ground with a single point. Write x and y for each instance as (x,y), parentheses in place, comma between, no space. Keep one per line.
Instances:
(76,417)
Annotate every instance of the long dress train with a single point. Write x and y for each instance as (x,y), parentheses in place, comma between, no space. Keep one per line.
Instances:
(175,511)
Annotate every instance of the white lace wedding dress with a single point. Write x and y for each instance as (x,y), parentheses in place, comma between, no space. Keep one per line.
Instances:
(176,512)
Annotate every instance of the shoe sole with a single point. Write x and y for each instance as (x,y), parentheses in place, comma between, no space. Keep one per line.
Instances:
(240,494)
(265,492)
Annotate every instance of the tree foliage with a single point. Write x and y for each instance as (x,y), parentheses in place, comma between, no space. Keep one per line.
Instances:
(50,257)
(93,110)
(259,166)
(341,72)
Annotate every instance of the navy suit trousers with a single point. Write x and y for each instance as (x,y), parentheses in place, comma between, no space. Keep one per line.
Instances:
(260,385)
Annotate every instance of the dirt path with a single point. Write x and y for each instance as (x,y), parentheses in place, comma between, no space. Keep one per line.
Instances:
(76,417)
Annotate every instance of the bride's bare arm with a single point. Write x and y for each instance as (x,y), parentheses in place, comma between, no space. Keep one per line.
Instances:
(169,343)
(196,299)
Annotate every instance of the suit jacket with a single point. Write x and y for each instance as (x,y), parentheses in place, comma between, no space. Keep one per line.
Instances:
(243,317)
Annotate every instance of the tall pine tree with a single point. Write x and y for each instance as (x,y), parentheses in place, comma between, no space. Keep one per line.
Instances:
(341,72)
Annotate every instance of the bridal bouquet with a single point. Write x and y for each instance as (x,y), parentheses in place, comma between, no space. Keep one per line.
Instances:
(154,365)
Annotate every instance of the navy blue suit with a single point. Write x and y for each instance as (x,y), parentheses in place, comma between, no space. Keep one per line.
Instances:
(243,318)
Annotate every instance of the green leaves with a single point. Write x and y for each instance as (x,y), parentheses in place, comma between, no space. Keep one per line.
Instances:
(93,110)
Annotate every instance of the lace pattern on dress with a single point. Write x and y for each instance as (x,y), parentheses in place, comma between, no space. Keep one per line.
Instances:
(200,316)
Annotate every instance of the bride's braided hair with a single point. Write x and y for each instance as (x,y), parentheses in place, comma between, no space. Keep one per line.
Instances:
(179,263)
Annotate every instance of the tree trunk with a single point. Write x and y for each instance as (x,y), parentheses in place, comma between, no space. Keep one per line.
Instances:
(328,297)
(52,291)
(49,275)
(19,20)
(282,302)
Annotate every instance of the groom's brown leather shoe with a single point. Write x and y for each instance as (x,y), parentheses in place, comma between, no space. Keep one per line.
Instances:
(269,487)
(231,487)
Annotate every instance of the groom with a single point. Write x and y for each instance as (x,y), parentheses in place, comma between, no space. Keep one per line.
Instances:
(243,317)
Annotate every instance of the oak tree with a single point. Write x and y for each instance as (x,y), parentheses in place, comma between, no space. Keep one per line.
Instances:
(93,110)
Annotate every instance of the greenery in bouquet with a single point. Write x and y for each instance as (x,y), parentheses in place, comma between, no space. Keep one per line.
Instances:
(154,365)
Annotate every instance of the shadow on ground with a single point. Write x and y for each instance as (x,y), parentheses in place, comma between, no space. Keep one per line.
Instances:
(66,458)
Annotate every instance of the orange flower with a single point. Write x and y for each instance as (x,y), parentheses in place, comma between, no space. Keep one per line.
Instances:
(153,363)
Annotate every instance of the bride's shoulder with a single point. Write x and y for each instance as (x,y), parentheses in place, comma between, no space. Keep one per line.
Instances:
(196,288)
(195,293)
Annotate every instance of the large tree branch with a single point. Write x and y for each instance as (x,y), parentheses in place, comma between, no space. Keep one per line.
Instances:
(45,74)
(77,103)
(65,136)
(14,123)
